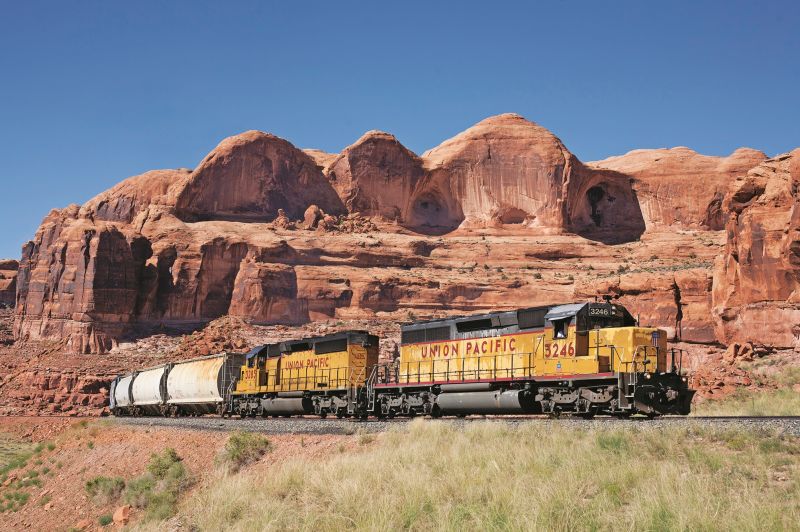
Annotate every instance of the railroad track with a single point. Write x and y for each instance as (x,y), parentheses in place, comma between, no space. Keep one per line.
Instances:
(310,425)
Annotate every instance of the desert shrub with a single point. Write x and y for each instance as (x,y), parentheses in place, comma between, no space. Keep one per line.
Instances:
(12,501)
(105,520)
(158,490)
(138,490)
(242,449)
(104,490)
(164,465)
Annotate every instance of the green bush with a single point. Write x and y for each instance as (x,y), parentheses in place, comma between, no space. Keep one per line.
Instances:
(241,449)
(158,490)
(165,464)
(138,490)
(104,490)
(105,520)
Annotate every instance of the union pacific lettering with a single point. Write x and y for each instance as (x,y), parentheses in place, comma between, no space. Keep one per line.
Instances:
(319,362)
(469,348)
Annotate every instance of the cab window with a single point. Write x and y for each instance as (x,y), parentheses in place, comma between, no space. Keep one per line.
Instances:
(560,328)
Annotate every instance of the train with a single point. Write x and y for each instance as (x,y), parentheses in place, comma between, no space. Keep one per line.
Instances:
(579,359)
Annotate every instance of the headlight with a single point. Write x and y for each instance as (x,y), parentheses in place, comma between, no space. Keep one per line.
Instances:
(646,375)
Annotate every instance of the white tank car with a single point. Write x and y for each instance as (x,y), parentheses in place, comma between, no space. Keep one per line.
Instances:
(201,385)
(149,390)
(121,394)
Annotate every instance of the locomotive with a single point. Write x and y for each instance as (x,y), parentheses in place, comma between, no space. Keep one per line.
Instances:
(579,359)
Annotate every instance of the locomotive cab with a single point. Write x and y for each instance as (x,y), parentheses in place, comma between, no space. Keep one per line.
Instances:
(608,340)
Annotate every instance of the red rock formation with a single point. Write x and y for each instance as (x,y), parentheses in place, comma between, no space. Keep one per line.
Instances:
(249,176)
(376,176)
(502,170)
(507,170)
(757,280)
(522,222)
(678,186)
(8,282)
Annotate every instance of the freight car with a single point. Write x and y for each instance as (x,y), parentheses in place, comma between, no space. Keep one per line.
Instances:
(189,387)
(583,359)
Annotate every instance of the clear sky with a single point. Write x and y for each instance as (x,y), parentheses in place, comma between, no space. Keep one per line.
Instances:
(92,92)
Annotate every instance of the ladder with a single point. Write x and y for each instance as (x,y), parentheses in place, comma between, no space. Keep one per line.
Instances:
(354,389)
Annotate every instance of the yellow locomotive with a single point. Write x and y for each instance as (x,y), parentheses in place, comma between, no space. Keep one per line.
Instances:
(584,358)
(318,375)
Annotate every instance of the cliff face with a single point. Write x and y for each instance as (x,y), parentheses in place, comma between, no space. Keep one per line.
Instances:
(679,187)
(757,279)
(8,282)
(500,216)
(249,177)
(507,171)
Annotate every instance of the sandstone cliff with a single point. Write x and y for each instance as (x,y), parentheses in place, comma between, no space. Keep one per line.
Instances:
(757,280)
(8,281)
(680,187)
(500,216)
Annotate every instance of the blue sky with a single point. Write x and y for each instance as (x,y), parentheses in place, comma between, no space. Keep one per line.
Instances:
(94,91)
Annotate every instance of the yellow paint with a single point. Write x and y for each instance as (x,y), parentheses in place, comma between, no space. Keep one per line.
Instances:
(532,354)
(304,370)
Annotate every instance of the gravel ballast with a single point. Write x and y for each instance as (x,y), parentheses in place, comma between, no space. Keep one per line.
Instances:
(309,425)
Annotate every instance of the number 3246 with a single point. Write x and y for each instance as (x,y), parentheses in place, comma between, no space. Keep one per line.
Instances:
(559,350)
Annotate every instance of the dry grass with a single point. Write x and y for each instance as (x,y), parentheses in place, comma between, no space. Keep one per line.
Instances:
(544,476)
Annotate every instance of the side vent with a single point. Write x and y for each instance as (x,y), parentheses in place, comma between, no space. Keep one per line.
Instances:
(431,334)
(474,325)
(330,346)
(531,318)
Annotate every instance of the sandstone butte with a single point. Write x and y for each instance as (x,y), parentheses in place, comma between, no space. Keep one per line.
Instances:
(500,216)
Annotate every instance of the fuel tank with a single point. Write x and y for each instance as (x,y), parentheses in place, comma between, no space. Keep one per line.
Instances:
(287,406)
(486,402)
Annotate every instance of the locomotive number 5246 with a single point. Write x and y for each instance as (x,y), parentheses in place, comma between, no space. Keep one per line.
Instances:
(559,350)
